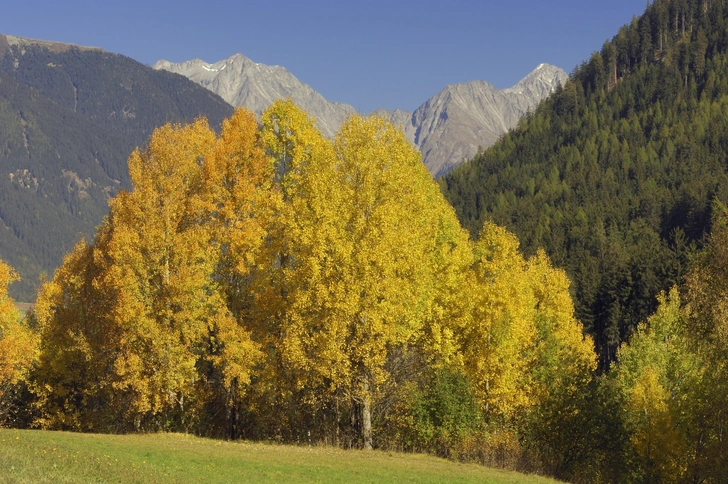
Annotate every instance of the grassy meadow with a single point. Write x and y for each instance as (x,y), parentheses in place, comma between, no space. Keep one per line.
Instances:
(63,457)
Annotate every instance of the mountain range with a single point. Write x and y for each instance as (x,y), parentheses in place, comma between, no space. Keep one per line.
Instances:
(448,128)
(71,115)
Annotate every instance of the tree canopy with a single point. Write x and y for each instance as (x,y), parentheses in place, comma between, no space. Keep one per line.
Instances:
(268,282)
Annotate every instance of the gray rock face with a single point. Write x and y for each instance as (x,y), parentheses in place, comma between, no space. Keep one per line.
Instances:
(447,129)
(242,82)
(454,123)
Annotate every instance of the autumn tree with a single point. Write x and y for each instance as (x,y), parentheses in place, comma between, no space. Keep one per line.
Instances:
(672,373)
(658,374)
(361,236)
(523,349)
(237,206)
(706,296)
(269,280)
(498,343)
(563,368)
(18,343)
(142,308)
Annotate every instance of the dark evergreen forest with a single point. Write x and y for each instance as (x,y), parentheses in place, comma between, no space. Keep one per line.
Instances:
(615,173)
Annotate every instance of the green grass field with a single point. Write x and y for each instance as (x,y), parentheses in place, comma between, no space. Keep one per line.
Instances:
(57,457)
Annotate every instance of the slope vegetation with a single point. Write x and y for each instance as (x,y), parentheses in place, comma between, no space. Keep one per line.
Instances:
(69,118)
(614,174)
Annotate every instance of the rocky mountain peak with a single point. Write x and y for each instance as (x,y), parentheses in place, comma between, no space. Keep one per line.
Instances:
(242,82)
(541,81)
(455,122)
(448,128)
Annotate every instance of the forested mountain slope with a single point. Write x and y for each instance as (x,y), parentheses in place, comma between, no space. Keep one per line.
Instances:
(69,118)
(614,174)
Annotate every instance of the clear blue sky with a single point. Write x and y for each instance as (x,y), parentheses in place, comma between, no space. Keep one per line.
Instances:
(390,54)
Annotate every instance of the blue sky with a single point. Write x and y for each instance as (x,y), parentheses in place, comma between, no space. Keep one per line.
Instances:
(390,54)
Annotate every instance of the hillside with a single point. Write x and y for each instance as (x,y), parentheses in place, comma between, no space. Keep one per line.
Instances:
(615,173)
(69,119)
(67,457)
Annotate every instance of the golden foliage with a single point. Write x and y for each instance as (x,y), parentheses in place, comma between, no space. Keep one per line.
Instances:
(17,342)
(273,272)
(522,346)
(142,309)
(659,376)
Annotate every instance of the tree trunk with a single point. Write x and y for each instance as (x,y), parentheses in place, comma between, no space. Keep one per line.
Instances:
(366,418)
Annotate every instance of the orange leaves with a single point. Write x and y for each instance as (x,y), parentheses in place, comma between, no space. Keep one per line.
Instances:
(151,283)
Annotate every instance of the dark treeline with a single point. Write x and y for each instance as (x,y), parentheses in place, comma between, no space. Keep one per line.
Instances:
(614,174)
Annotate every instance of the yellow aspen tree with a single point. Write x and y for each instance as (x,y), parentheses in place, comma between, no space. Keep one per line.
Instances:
(137,321)
(660,378)
(360,229)
(705,329)
(391,236)
(238,204)
(159,272)
(498,343)
(563,367)
(449,254)
(78,343)
(169,302)
(300,232)
(565,357)
(17,341)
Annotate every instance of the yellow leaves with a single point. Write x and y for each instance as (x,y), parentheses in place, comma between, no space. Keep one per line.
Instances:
(497,344)
(656,436)
(660,378)
(18,344)
(145,300)
(566,355)
(271,257)
(168,237)
(7,276)
(363,235)
(522,345)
